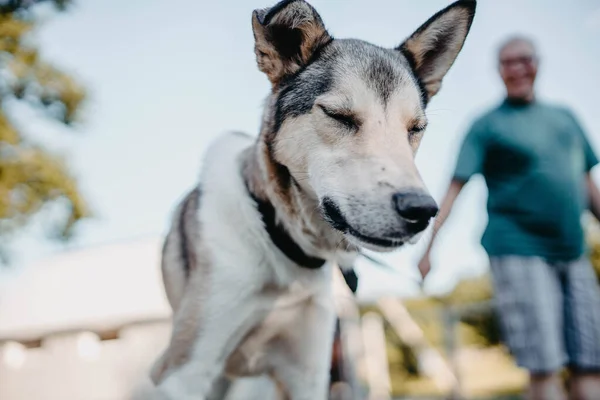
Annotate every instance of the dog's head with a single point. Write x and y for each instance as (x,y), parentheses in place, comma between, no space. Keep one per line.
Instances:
(348,116)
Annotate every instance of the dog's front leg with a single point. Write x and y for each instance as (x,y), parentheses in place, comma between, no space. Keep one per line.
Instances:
(304,374)
(222,330)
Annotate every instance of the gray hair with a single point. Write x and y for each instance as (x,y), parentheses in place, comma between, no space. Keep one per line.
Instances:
(517,39)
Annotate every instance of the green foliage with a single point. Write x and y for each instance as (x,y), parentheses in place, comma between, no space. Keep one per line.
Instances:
(30,176)
(479,328)
(470,291)
(476,328)
(593,241)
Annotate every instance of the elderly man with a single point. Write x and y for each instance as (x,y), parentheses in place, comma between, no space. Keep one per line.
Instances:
(536,162)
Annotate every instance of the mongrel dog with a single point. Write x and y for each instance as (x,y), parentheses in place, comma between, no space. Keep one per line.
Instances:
(247,264)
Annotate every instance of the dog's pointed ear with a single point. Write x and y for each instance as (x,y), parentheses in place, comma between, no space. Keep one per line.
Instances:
(286,36)
(432,49)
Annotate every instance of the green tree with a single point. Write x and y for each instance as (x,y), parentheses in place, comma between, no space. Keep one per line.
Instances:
(30,176)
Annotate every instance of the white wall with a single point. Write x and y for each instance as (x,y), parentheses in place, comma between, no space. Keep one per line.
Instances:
(71,367)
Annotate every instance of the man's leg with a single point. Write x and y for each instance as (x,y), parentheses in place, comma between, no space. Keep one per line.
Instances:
(529,303)
(585,386)
(582,328)
(545,387)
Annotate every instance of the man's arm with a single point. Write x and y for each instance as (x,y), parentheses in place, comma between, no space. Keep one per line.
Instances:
(591,160)
(594,194)
(453,191)
(470,162)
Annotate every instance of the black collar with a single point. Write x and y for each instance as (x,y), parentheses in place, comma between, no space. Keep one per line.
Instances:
(281,238)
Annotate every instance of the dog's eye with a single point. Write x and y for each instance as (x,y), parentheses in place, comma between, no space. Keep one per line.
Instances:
(348,120)
(415,132)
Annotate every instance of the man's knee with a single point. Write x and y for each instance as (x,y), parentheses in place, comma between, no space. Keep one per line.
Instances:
(585,385)
(546,386)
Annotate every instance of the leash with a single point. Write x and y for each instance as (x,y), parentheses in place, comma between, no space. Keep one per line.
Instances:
(415,279)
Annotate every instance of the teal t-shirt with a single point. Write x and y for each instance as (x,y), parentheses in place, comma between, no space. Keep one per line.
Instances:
(534,158)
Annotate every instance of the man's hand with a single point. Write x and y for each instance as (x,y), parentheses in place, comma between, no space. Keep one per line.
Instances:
(453,192)
(594,194)
(425,265)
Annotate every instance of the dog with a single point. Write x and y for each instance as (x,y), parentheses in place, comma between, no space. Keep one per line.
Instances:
(247,264)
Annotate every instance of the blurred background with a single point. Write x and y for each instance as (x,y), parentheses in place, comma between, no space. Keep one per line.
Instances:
(106,109)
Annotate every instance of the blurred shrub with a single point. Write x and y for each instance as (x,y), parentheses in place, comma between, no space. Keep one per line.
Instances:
(32,178)
(593,241)
(479,328)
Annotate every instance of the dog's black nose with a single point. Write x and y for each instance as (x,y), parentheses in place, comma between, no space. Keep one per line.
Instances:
(415,207)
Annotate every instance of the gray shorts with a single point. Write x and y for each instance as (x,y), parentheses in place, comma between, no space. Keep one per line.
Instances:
(549,313)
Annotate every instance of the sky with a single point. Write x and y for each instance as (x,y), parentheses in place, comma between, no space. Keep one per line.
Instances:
(166,77)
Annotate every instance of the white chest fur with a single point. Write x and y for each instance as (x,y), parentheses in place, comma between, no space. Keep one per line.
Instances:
(273,309)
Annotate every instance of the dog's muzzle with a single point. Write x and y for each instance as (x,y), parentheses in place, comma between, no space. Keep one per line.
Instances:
(415,209)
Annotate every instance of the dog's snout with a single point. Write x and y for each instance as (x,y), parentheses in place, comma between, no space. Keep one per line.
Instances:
(415,207)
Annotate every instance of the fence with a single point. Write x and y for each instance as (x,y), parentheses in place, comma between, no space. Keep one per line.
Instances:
(365,345)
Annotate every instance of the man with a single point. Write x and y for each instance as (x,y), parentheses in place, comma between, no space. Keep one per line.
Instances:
(536,162)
